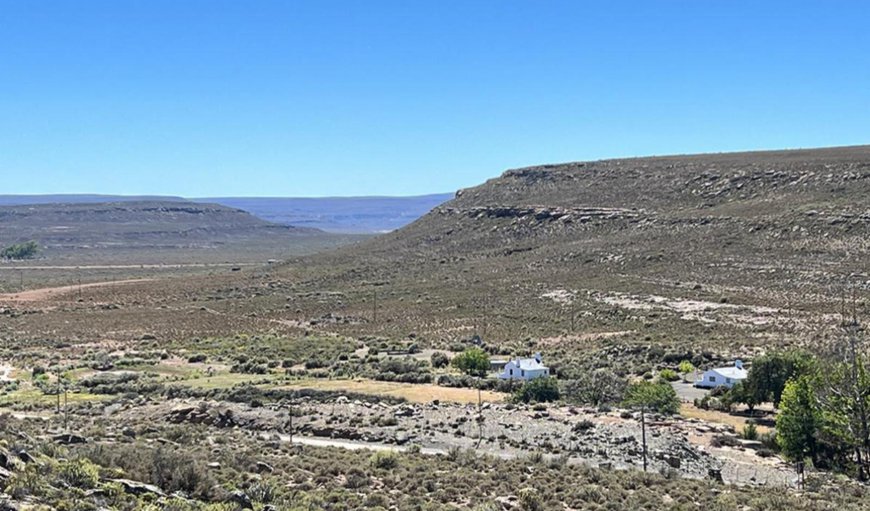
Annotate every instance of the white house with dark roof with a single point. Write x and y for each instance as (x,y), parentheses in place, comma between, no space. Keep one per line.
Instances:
(524,369)
(722,376)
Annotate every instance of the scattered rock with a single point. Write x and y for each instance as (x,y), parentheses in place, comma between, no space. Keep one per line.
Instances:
(69,439)
(138,488)
(241,498)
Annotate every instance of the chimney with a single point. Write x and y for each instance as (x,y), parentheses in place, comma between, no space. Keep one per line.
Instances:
(738,364)
(538,357)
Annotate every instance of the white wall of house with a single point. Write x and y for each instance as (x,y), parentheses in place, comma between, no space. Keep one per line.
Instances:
(712,378)
(513,371)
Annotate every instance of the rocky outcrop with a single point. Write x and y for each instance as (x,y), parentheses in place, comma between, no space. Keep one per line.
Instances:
(545,214)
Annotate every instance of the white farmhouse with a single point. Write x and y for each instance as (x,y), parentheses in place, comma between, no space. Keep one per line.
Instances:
(722,376)
(524,369)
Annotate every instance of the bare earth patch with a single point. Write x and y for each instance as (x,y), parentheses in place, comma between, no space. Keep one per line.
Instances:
(415,393)
(37,295)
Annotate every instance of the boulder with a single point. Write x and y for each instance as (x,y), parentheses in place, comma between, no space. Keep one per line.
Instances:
(138,488)
(264,467)
(241,498)
(69,439)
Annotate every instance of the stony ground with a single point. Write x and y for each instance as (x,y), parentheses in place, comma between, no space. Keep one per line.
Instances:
(609,439)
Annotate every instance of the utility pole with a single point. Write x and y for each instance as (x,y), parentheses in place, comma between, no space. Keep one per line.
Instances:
(573,314)
(643,433)
(484,320)
(290,425)
(375,306)
(479,415)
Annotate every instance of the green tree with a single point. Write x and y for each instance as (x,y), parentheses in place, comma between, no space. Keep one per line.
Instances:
(659,397)
(27,250)
(843,389)
(798,420)
(768,376)
(473,362)
(539,390)
(686,367)
(599,387)
(741,393)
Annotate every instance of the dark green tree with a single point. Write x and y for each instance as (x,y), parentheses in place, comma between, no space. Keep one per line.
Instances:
(769,374)
(742,393)
(658,397)
(27,250)
(539,390)
(799,420)
(473,362)
(599,387)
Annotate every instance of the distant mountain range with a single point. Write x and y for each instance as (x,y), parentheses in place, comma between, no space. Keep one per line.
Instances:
(155,232)
(355,215)
(350,215)
(24,200)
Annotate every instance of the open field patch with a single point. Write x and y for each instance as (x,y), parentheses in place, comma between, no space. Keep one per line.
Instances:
(415,393)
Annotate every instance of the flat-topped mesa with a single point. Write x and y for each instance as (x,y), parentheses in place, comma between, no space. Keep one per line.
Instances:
(544,213)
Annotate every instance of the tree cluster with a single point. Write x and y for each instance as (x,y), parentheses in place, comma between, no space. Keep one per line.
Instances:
(26,250)
(825,410)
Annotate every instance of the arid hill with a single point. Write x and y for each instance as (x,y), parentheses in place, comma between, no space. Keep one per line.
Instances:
(152,231)
(706,251)
(631,263)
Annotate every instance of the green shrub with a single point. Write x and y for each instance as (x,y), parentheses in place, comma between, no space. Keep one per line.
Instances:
(439,360)
(386,460)
(669,375)
(198,358)
(539,390)
(750,431)
(686,367)
(27,250)
(530,500)
(80,473)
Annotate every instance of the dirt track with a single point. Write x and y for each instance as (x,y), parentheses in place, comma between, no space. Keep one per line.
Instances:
(36,295)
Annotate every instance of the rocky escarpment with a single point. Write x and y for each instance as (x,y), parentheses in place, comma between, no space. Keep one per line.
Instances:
(544,213)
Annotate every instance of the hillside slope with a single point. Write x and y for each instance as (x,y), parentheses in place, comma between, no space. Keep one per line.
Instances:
(151,231)
(630,264)
(724,251)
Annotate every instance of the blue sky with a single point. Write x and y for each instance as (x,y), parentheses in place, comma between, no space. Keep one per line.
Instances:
(293,98)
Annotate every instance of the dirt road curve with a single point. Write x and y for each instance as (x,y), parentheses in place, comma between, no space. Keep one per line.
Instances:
(126,266)
(36,295)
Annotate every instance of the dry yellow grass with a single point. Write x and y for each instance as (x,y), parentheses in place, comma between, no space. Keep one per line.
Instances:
(415,393)
(225,380)
(693,412)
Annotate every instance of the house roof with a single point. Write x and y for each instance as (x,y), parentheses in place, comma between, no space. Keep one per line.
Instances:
(733,372)
(529,364)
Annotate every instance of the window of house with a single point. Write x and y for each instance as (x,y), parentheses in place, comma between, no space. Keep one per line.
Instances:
(712,378)
(523,372)
(727,380)
(512,372)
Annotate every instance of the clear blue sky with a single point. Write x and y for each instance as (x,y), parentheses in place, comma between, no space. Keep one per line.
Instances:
(293,98)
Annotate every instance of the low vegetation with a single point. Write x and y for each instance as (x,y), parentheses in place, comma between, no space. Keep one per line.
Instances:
(18,251)
(183,472)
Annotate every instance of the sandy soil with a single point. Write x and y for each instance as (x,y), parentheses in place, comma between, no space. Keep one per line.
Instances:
(37,295)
